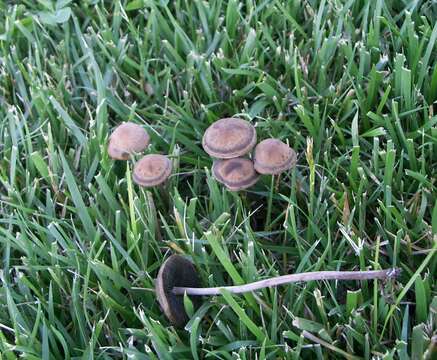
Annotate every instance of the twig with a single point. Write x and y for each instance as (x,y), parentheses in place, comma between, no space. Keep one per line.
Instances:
(292,278)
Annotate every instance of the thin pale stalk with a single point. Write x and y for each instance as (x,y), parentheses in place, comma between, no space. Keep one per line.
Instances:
(292,278)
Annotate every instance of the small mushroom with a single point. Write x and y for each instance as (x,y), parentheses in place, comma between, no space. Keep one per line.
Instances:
(236,174)
(152,170)
(229,138)
(176,271)
(126,139)
(178,276)
(272,156)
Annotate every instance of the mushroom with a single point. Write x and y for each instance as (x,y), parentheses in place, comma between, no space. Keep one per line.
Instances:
(152,170)
(177,276)
(272,156)
(229,138)
(236,174)
(126,139)
(176,271)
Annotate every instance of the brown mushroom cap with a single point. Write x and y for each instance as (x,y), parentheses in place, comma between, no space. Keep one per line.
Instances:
(152,170)
(272,156)
(127,138)
(176,271)
(229,138)
(236,174)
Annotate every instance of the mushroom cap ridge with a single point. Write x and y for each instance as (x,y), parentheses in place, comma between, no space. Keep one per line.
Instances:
(229,138)
(127,138)
(273,156)
(152,170)
(236,174)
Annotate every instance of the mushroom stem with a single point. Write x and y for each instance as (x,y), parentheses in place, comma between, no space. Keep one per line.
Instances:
(269,205)
(163,192)
(278,180)
(292,278)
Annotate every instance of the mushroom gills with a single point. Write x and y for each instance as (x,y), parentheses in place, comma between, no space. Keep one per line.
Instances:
(176,271)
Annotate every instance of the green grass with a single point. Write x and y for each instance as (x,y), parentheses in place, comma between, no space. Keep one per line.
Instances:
(351,85)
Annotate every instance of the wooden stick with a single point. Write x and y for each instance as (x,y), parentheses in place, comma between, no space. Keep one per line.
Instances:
(292,278)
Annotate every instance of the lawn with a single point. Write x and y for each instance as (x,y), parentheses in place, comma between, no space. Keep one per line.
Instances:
(350,85)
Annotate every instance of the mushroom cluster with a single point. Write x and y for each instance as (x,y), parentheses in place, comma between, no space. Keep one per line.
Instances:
(229,140)
(129,138)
